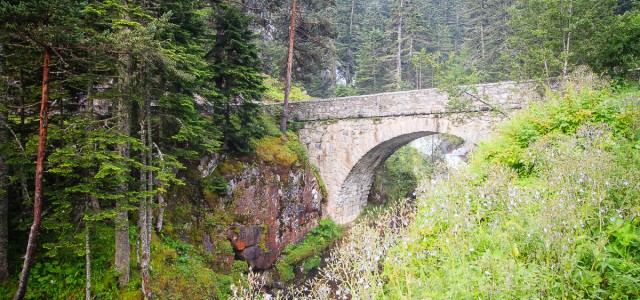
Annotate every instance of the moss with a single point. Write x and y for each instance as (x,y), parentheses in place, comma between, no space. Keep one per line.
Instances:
(132,295)
(240,266)
(181,271)
(273,150)
(224,248)
(311,263)
(323,187)
(309,250)
(284,271)
(231,167)
(329,121)
(263,238)
(275,91)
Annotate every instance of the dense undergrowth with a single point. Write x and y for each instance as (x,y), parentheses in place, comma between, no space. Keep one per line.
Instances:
(307,254)
(181,268)
(274,91)
(549,208)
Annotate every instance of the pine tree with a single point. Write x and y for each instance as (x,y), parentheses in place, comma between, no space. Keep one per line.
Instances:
(487,35)
(551,37)
(4,174)
(235,64)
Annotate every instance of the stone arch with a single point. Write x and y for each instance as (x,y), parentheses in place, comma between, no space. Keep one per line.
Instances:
(347,152)
(358,183)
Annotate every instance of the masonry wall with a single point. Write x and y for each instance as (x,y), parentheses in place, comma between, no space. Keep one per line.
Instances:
(419,102)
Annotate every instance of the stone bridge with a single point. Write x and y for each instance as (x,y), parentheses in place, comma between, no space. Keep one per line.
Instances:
(349,138)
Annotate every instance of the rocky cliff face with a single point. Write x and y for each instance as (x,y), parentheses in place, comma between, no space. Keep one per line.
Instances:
(246,208)
(274,206)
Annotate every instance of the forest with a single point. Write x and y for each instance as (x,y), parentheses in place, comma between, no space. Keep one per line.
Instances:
(107,108)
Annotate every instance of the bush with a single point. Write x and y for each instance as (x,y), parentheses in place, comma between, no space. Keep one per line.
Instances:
(320,238)
(548,209)
(275,91)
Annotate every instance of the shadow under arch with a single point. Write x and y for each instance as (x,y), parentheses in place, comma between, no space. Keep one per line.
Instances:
(355,189)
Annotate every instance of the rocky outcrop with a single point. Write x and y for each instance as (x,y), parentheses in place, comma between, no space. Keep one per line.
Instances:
(274,206)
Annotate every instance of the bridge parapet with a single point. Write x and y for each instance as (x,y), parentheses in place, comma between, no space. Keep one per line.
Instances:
(417,102)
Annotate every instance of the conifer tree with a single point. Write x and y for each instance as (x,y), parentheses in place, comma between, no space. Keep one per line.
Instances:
(4,174)
(235,64)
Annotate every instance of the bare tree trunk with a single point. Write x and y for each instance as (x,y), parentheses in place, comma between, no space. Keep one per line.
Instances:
(349,75)
(123,119)
(287,89)
(38,195)
(565,66)
(87,258)
(4,175)
(353,5)
(566,38)
(24,188)
(146,186)
(161,203)
(399,51)
(145,202)
(482,51)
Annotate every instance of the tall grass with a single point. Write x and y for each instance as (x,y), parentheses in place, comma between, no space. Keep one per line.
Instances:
(550,208)
(547,209)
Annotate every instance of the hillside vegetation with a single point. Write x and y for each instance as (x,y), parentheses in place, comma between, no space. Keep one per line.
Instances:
(549,208)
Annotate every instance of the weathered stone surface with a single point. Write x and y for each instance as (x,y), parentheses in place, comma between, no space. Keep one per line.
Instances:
(257,258)
(249,236)
(207,244)
(408,103)
(359,133)
(277,205)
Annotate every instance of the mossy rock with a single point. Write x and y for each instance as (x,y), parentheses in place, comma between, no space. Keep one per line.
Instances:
(231,167)
(273,150)
(284,271)
(132,295)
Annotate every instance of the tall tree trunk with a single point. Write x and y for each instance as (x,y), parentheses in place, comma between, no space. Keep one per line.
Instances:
(399,51)
(350,48)
(24,188)
(38,195)
(353,6)
(123,119)
(145,202)
(287,89)
(87,258)
(161,203)
(482,48)
(4,175)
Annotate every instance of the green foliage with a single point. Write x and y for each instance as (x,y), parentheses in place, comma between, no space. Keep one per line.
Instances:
(547,209)
(346,91)
(579,102)
(398,177)
(61,273)
(308,251)
(233,59)
(182,271)
(274,91)
(311,263)
(216,183)
(280,150)
(551,38)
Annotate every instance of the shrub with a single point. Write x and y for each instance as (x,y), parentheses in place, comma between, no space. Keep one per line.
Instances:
(320,238)
(548,209)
